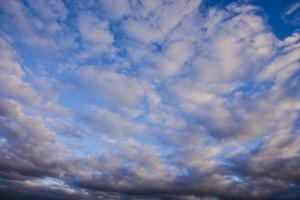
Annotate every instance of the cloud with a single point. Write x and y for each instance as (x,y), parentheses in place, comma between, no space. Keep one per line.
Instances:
(157,19)
(113,86)
(112,123)
(226,39)
(147,100)
(116,9)
(12,74)
(53,10)
(40,28)
(94,33)
(176,54)
(286,61)
(291,14)
(38,190)
(36,148)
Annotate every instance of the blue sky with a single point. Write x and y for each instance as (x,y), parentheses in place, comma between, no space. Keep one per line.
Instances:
(127,99)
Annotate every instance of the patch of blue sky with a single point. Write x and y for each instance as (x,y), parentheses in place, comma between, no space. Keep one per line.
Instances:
(49,181)
(156,47)
(274,13)
(249,88)
(292,85)
(296,125)
(237,178)
(253,145)
(247,147)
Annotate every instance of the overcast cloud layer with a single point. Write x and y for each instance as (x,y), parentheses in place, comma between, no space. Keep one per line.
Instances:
(128,99)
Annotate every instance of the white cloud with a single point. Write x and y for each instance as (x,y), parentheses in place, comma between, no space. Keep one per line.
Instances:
(292,8)
(94,31)
(20,84)
(199,159)
(286,61)
(41,27)
(157,19)
(113,123)
(233,46)
(12,74)
(173,59)
(118,88)
(49,10)
(116,9)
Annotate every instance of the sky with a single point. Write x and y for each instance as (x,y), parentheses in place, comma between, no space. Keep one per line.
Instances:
(149,99)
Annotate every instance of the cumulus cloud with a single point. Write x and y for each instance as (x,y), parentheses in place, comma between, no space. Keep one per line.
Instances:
(40,28)
(94,33)
(12,74)
(112,123)
(286,61)
(157,19)
(113,86)
(27,147)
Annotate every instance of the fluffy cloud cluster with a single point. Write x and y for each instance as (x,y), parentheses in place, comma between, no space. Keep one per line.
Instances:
(147,100)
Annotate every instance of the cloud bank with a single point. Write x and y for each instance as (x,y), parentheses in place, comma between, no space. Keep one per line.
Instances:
(130,99)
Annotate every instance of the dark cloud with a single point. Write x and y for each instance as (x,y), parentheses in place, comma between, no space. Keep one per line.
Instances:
(16,190)
(28,148)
